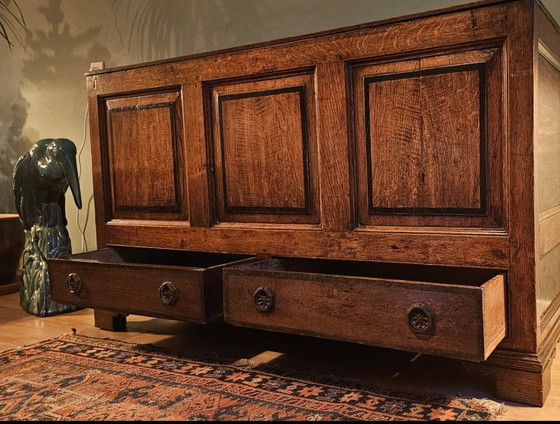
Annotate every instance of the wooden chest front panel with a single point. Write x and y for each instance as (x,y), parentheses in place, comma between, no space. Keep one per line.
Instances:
(466,321)
(321,146)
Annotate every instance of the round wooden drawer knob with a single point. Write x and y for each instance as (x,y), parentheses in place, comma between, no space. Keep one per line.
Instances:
(168,293)
(74,283)
(264,299)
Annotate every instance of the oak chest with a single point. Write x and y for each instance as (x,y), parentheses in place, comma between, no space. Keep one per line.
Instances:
(394,184)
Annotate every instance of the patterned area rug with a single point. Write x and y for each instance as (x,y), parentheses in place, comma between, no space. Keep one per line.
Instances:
(82,378)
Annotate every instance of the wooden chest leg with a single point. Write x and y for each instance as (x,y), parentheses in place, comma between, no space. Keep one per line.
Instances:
(515,384)
(107,320)
(527,387)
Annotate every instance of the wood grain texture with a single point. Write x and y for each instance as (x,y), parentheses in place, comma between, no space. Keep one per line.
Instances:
(329,52)
(128,281)
(393,116)
(521,277)
(370,40)
(402,247)
(96,69)
(528,382)
(144,153)
(422,149)
(453,139)
(265,154)
(197,157)
(494,309)
(356,306)
(335,157)
(522,386)
(265,165)
(433,136)
(97,132)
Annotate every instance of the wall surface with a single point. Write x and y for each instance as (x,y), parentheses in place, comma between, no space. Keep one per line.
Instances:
(42,84)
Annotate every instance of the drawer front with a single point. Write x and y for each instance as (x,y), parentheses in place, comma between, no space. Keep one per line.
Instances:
(176,285)
(133,290)
(464,322)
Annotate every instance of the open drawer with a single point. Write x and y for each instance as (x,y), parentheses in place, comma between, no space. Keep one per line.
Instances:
(454,312)
(155,282)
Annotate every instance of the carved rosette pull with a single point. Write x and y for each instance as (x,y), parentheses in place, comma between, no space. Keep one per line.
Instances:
(264,299)
(168,293)
(74,283)
(421,319)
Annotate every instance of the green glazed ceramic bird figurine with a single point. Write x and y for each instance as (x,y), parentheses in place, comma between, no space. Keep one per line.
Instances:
(41,177)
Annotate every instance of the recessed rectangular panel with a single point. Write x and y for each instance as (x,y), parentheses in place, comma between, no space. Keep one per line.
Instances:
(144,142)
(547,141)
(547,182)
(264,145)
(132,182)
(264,151)
(424,151)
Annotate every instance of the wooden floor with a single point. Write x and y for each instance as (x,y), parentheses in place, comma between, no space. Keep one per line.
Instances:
(308,355)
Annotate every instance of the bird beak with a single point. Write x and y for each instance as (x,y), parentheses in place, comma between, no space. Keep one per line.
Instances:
(71,173)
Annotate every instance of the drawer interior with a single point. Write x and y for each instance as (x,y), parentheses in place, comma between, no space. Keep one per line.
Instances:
(161,257)
(405,272)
